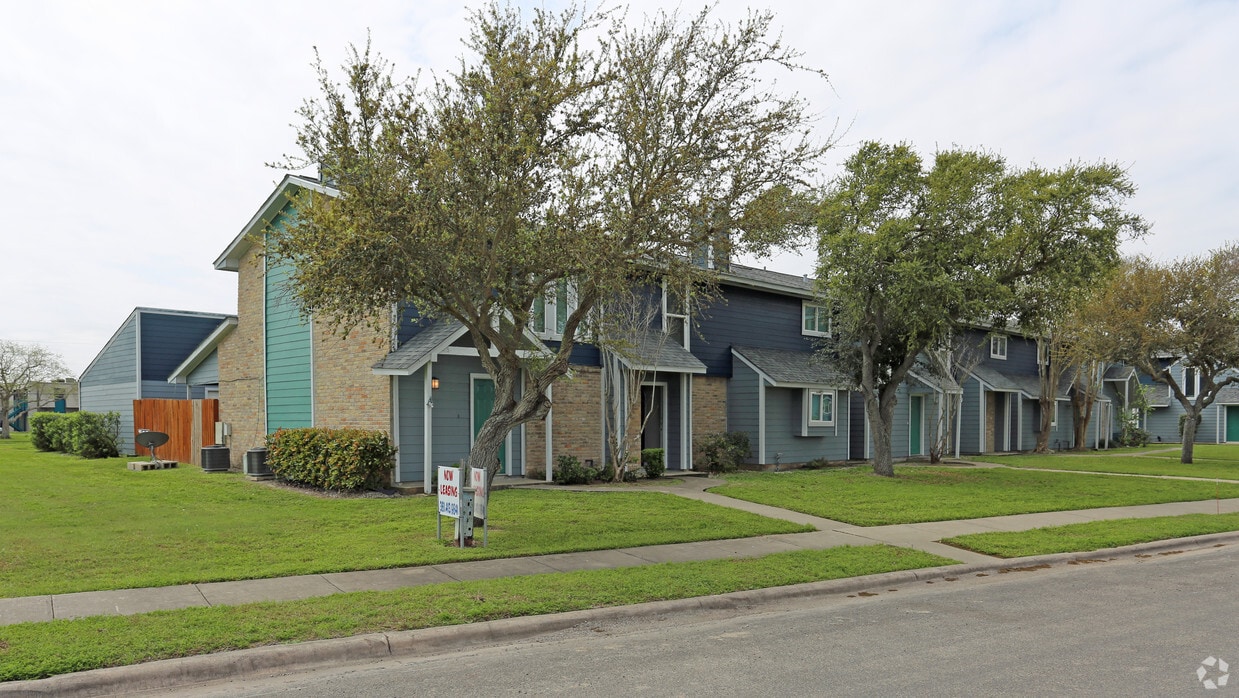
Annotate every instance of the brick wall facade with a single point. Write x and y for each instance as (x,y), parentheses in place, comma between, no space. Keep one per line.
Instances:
(242,399)
(576,422)
(346,392)
(709,407)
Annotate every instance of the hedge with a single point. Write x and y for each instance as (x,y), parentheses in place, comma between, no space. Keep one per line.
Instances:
(331,459)
(85,434)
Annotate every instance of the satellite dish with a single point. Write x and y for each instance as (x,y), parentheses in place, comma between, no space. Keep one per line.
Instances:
(151,440)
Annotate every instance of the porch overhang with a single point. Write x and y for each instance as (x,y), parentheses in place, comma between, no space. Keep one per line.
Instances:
(781,368)
(655,352)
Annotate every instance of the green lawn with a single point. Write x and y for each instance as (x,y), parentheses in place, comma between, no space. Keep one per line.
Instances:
(35,650)
(857,496)
(68,524)
(1095,535)
(1211,461)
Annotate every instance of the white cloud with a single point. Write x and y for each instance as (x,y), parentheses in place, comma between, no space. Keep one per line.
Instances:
(133,135)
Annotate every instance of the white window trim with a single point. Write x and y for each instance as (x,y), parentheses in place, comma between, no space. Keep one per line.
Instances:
(1191,389)
(809,393)
(820,310)
(995,343)
(550,309)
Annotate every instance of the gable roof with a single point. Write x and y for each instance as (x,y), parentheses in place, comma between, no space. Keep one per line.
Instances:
(653,351)
(203,350)
(422,348)
(765,280)
(230,258)
(146,311)
(792,369)
(1028,386)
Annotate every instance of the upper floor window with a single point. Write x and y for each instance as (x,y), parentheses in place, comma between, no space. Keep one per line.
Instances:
(814,320)
(821,408)
(998,347)
(550,314)
(1043,352)
(1191,381)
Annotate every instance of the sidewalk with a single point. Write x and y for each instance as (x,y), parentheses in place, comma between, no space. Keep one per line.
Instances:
(921,536)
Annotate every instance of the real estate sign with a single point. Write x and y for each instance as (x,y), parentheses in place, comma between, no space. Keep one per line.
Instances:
(477,480)
(449,491)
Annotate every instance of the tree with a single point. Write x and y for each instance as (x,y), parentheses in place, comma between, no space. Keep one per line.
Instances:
(950,365)
(22,366)
(1153,315)
(909,256)
(1074,201)
(541,162)
(630,346)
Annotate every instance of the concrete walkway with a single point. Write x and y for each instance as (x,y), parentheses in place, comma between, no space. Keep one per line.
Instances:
(921,536)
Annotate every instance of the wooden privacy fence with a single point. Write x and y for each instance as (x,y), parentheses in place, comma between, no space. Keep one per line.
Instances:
(189,424)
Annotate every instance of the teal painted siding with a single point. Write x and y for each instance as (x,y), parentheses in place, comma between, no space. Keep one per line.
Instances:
(289,378)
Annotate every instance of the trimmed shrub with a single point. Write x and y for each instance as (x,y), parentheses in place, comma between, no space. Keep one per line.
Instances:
(723,452)
(654,461)
(42,429)
(94,434)
(331,459)
(569,471)
(85,434)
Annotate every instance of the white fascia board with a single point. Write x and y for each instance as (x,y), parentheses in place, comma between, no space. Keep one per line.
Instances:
(203,350)
(750,364)
(230,258)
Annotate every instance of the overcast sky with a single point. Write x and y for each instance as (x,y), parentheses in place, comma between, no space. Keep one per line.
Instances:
(134,136)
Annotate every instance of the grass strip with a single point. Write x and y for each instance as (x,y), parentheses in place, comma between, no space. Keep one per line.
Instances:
(915,494)
(37,650)
(1094,535)
(1145,463)
(68,525)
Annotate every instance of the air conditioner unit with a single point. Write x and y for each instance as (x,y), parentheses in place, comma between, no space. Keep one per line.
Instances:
(256,463)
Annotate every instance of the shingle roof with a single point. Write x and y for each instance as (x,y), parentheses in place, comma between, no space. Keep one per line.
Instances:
(1119,372)
(421,348)
(944,384)
(655,351)
(763,277)
(794,368)
(1030,386)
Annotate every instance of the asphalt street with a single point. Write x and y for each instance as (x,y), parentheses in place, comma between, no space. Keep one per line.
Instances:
(1139,626)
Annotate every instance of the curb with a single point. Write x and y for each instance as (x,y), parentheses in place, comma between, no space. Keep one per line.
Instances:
(267,661)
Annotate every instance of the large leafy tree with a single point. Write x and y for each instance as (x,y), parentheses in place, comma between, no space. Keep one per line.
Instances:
(910,254)
(566,147)
(21,367)
(1153,314)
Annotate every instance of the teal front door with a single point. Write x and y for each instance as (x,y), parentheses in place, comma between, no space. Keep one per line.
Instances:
(483,403)
(916,409)
(1232,422)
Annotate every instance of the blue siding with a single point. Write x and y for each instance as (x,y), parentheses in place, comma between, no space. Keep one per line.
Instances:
(117,363)
(451,430)
(784,415)
(1021,354)
(747,317)
(970,417)
(411,426)
(167,340)
(742,405)
(207,372)
(112,397)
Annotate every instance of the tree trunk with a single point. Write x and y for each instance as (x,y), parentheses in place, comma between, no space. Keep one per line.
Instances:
(1046,419)
(1190,425)
(881,417)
